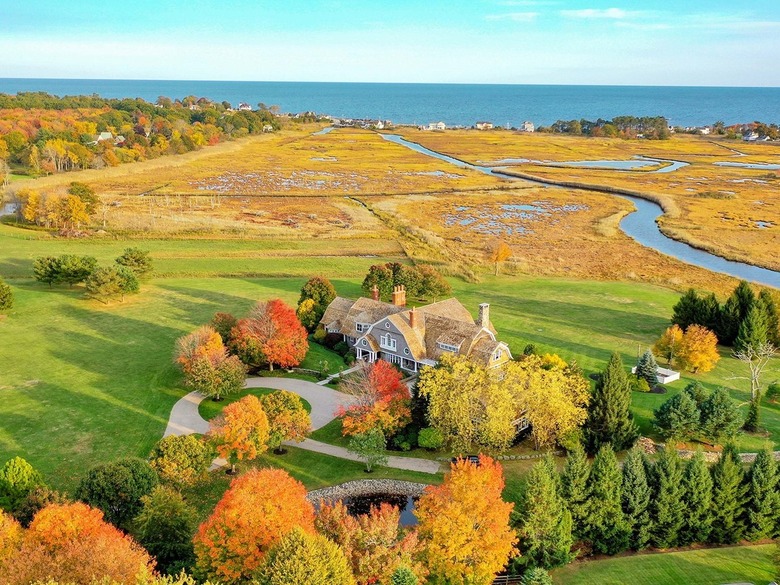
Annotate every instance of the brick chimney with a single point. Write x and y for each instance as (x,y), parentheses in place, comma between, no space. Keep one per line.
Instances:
(412,318)
(484,316)
(375,293)
(399,296)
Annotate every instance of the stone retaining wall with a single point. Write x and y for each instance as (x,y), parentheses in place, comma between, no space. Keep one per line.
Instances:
(367,487)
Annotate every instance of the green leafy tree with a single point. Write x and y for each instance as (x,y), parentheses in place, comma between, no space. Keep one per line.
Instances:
(181,460)
(117,488)
(667,510)
(223,324)
(678,418)
(728,497)
(545,522)
(321,292)
(647,368)
(287,418)
(697,392)
(697,497)
(40,497)
(636,498)
(404,576)
(165,527)
(6,296)
(46,269)
(300,557)
(137,261)
(720,417)
(430,438)
(608,531)
(109,283)
(575,489)
(380,276)
(753,331)
(17,480)
(370,447)
(536,576)
(762,509)
(432,283)
(73,269)
(609,416)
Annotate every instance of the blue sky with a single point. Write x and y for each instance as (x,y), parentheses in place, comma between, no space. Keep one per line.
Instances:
(687,42)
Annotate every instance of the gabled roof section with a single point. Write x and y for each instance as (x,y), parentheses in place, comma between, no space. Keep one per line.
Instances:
(336,311)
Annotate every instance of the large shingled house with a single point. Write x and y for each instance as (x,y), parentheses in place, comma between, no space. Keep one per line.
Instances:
(416,337)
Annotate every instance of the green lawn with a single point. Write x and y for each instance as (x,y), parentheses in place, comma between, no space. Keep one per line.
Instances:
(84,383)
(740,564)
(208,409)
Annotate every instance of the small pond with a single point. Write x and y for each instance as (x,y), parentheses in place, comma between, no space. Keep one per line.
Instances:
(324,131)
(754,166)
(362,505)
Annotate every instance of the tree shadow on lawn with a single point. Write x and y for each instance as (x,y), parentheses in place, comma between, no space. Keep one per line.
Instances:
(16,268)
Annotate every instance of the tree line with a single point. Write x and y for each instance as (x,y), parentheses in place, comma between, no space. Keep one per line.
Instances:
(650,127)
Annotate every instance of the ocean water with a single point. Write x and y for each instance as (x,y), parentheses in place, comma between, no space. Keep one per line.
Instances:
(414,103)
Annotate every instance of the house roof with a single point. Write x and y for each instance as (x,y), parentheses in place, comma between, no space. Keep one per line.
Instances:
(344,313)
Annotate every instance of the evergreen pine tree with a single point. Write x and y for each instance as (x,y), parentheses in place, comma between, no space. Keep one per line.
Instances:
(697,392)
(762,510)
(574,489)
(545,529)
(745,298)
(720,417)
(668,508)
(728,497)
(688,310)
(647,368)
(678,418)
(697,495)
(636,499)
(609,418)
(608,531)
(728,321)
(710,312)
(753,331)
(772,319)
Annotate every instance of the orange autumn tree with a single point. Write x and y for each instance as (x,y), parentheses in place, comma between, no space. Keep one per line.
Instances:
(464,525)
(375,544)
(258,509)
(73,544)
(379,400)
(10,537)
(241,431)
(284,339)
(206,365)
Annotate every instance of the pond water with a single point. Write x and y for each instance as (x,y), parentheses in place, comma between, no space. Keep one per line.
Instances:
(640,225)
(323,131)
(754,166)
(362,505)
(637,163)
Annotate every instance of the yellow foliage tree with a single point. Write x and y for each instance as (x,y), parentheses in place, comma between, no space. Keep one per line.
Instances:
(699,350)
(241,431)
(553,394)
(669,345)
(498,252)
(464,525)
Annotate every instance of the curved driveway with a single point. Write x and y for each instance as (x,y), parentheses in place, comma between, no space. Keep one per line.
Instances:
(325,402)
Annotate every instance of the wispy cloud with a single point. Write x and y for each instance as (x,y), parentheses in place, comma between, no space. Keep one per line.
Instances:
(514,16)
(606,13)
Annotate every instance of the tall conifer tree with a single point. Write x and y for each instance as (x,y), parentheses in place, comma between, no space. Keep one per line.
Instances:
(608,531)
(609,418)
(668,507)
(769,307)
(574,489)
(647,368)
(728,497)
(545,529)
(753,331)
(762,509)
(636,499)
(688,310)
(697,495)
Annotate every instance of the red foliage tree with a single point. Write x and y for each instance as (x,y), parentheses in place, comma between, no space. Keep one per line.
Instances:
(284,338)
(73,544)
(258,509)
(380,400)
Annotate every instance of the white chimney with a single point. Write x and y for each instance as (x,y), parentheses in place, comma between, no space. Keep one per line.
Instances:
(484,316)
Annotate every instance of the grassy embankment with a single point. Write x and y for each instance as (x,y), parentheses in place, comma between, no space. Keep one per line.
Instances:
(742,564)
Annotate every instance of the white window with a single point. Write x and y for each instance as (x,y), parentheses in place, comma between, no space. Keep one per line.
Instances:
(447,347)
(406,351)
(387,342)
(498,354)
(387,324)
(361,327)
(364,342)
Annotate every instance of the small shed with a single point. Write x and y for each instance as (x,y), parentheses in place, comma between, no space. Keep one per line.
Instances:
(664,376)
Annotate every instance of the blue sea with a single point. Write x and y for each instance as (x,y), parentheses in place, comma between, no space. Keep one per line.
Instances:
(413,103)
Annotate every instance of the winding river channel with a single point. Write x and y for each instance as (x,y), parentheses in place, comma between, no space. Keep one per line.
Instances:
(641,225)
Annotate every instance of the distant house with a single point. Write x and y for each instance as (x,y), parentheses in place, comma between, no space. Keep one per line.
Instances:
(484,125)
(416,337)
(268,128)
(101,137)
(440,126)
(527,126)
(243,106)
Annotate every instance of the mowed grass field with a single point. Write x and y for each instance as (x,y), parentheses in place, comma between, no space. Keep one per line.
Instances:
(744,564)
